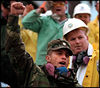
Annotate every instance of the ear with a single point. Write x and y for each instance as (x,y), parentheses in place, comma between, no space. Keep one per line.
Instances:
(48,58)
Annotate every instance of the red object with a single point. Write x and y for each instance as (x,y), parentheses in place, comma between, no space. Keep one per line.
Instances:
(43,6)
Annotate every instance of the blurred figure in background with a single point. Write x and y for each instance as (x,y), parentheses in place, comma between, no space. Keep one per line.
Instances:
(29,37)
(47,27)
(83,12)
(46,8)
(94,29)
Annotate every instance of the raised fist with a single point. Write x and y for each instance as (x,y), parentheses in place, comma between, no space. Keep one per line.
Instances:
(17,8)
(28,8)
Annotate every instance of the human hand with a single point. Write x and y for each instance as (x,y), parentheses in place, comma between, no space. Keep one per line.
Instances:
(17,8)
(28,8)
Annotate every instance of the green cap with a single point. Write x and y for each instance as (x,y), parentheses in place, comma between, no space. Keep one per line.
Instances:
(59,44)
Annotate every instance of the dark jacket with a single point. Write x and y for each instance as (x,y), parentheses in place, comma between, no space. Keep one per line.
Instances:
(7,74)
(28,73)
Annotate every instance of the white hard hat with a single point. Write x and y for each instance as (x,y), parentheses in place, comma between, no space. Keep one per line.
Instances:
(72,24)
(81,8)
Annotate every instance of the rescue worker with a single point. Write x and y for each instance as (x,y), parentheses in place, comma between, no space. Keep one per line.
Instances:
(83,12)
(85,55)
(94,29)
(48,27)
(52,74)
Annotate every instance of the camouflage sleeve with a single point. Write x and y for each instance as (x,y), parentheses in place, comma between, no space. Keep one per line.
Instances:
(28,74)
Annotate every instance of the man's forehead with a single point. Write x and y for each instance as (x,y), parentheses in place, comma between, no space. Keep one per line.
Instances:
(62,51)
(76,31)
(55,2)
(81,14)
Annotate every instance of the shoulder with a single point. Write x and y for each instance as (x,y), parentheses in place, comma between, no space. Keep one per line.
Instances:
(93,22)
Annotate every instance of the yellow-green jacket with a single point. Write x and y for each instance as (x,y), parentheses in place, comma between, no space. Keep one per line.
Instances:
(30,40)
(94,32)
(91,76)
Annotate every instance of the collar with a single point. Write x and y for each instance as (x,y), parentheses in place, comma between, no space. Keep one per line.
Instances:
(90,49)
(62,22)
(56,18)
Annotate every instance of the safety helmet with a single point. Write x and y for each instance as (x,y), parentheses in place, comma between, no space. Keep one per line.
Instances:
(72,24)
(81,8)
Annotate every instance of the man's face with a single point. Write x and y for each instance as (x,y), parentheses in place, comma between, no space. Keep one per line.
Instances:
(78,41)
(85,17)
(59,8)
(58,58)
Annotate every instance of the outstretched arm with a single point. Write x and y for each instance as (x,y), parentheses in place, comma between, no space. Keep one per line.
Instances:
(28,74)
(21,60)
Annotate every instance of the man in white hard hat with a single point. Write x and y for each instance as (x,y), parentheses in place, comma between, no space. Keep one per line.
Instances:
(85,56)
(82,11)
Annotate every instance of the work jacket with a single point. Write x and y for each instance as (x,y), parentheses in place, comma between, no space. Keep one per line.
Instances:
(94,32)
(88,75)
(47,28)
(29,38)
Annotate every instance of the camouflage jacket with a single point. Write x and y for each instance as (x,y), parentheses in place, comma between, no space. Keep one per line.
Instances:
(28,73)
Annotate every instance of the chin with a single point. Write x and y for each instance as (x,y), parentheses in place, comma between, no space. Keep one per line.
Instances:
(78,51)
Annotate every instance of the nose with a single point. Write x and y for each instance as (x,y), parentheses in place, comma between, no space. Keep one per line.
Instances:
(64,57)
(77,40)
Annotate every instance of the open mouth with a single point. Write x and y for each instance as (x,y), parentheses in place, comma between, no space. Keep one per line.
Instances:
(62,63)
(58,9)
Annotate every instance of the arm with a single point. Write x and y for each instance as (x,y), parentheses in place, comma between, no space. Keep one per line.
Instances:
(33,20)
(27,72)
(20,59)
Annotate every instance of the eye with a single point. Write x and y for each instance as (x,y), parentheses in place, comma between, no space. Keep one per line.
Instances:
(85,16)
(72,39)
(80,37)
(59,53)
(79,16)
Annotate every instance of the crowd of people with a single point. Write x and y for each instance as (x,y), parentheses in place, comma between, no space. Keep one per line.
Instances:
(44,47)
